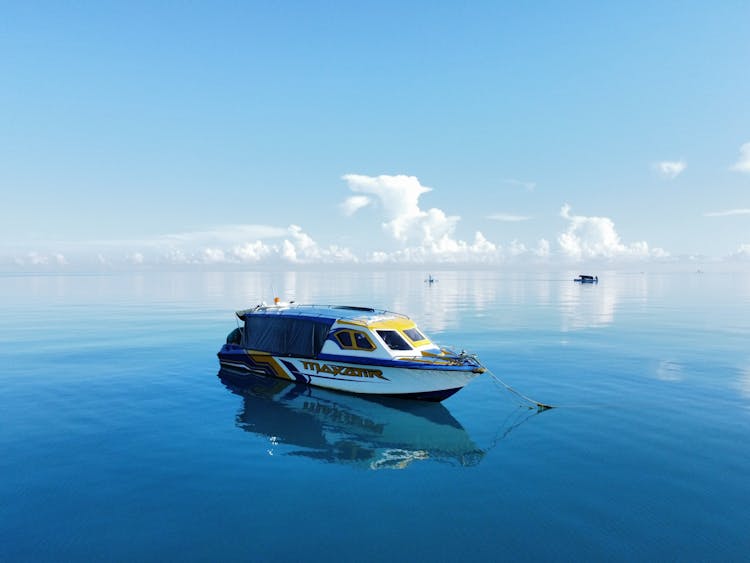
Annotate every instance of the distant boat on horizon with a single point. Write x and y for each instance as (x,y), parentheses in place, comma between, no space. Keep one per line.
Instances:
(582,278)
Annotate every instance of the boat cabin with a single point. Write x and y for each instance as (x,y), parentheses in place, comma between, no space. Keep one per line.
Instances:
(309,331)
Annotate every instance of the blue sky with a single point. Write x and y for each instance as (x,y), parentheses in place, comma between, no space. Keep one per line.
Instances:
(236,133)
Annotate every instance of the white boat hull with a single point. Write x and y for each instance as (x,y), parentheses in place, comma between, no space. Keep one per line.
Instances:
(428,380)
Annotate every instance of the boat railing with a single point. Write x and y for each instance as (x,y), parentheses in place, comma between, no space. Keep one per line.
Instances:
(329,308)
(355,308)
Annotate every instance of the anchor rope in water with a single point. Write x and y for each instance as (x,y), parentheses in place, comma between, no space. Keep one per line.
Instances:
(539,406)
(520,418)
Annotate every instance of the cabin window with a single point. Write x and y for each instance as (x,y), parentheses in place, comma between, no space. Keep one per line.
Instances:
(393,340)
(345,338)
(354,340)
(414,335)
(362,342)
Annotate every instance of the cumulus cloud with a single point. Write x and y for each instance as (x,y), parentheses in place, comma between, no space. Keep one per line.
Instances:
(743,163)
(246,244)
(424,235)
(135,258)
(447,251)
(399,198)
(414,234)
(250,252)
(516,248)
(542,248)
(596,237)
(352,204)
(297,247)
(507,217)
(225,245)
(670,168)
(40,260)
(303,249)
(727,213)
(32,259)
(742,253)
(213,256)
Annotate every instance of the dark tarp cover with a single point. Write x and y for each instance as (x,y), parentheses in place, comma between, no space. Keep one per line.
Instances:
(286,336)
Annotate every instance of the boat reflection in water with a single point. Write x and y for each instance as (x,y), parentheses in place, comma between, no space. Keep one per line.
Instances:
(349,429)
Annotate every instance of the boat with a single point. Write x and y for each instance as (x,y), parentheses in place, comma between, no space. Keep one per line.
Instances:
(586,279)
(345,348)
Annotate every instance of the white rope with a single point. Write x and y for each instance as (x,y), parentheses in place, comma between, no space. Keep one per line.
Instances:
(539,406)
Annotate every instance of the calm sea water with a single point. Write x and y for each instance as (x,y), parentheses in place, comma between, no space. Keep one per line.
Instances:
(118,441)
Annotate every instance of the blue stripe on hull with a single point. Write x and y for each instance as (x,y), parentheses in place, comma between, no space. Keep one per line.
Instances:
(299,377)
(406,364)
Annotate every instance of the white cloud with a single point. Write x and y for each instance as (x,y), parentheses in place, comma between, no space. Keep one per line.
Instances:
(743,163)
(38,259)
(742,253)
(671,168)
(31,259)
(727,213)
(221,235)
(422,235)
(220,246)
(352,204)
(542,248)
(446,250)
(517,248)
(414,235)
(250,252)
(213,256)
(297,248)
(237,244)
(302,248)
(399,197)
(596,237)
(507,217)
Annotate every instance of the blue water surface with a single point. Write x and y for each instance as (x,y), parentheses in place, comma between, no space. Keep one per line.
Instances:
(118,440)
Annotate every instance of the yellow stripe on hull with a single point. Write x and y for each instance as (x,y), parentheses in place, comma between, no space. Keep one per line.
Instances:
(266,359)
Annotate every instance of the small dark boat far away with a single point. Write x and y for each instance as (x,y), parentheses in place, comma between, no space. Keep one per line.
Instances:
(587,279)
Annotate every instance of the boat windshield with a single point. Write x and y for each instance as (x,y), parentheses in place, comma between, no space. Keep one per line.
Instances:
(393,340)
(414,334)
